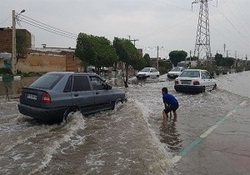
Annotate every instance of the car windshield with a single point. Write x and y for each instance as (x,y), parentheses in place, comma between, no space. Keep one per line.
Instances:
(176,69)
(192,74)
(47,81)
(145,70)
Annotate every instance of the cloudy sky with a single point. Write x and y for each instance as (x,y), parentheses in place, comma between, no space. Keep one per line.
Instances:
(169,24)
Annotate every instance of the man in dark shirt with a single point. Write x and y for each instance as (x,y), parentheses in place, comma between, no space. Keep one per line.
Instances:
(171,104)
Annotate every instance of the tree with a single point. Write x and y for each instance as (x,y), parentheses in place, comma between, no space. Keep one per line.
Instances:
(20,45)
(144,61)
(148,60)
(96,51)
(218,59)
(127,54)
(177,56)
(225,62)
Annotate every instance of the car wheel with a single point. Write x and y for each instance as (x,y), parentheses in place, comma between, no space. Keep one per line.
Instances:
(68,114)
(116,104)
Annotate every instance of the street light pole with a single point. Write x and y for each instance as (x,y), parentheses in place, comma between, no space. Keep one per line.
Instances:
(14,59)
(157,57)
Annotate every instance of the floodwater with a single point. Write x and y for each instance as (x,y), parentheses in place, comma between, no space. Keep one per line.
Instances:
(130,140)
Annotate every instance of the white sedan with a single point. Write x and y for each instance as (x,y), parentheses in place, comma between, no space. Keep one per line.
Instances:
(148,72)
(195,81)
(175,72)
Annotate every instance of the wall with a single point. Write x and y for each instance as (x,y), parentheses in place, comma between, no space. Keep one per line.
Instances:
(1,63)
(6,39)
(46,62)
(42,63)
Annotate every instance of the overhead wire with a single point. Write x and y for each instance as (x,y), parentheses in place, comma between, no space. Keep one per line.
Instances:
(164,29)
(5,20)
(243,37)
(232,12)
(46,27)
(242,16)
(169,27)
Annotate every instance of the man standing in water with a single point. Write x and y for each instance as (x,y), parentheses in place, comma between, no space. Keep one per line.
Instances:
(171,104)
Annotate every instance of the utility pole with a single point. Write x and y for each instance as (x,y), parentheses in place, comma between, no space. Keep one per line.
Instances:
(202,44)
(157,61)
(132,40)
(13,60)
(157,56)
(13,57)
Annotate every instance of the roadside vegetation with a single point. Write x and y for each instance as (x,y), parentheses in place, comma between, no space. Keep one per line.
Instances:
(121,54)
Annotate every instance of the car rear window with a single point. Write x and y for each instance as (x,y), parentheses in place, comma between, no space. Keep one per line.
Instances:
(145,70)
(176,69)
(47,81)
(192,74)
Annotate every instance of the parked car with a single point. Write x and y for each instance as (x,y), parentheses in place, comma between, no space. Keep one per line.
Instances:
(55,95)
(175,72)
(194,81)
(148,72)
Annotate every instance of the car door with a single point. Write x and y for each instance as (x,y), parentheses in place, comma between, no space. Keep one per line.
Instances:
(82,94)
(153,72)
(103,96)
(203,79)
(208,80)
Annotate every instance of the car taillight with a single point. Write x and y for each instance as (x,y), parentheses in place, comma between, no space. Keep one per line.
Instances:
(46,99)
(196,83)
(176,82)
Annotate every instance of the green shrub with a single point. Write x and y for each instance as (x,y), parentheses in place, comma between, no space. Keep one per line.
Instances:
(247,68)
(239,69)
(5,71)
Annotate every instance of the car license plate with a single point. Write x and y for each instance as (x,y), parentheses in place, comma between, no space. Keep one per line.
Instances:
(185,82)
(31,96)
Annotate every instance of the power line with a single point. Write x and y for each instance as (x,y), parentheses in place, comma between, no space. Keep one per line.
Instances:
(242,16)
(232,12)
(231,23)
(46,27)
(172,5)
(5,20)
(164,29)
(225,17)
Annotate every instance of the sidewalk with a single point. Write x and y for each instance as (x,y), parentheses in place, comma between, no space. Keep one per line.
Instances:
(224,149)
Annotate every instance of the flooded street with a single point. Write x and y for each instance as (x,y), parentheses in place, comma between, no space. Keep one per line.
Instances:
(132,139)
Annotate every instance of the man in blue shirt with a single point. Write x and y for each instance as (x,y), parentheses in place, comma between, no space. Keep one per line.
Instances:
(171,104)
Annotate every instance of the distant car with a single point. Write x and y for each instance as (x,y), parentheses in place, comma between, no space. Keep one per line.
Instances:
(55,95)
(175,72)
(148,72)
(194,81)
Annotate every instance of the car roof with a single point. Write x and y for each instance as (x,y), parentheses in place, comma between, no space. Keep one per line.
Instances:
(149,67)
(194,70)
(72,73)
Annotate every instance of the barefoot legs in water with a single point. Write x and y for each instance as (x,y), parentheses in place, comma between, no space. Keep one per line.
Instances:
(165,115)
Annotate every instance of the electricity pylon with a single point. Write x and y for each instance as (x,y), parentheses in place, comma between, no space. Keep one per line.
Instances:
(202,43)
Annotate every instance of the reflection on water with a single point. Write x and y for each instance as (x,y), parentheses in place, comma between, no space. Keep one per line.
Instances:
(170,136)
(14,87)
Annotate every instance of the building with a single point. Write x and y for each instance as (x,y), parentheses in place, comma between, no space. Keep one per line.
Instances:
(36,59)
(23,39)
